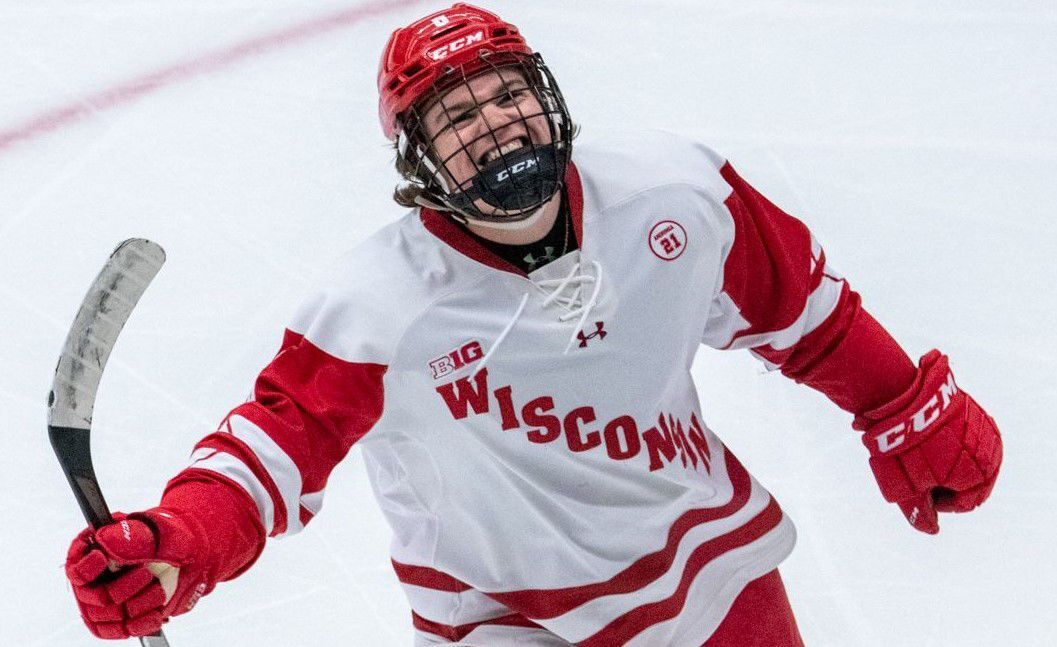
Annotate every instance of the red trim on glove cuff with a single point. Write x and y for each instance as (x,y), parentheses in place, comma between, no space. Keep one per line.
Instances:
(224,512)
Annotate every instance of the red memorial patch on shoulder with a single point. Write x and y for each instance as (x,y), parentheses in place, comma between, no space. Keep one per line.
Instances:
(667,240)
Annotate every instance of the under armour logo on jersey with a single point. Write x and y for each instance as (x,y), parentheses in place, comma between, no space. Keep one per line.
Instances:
(599,332)
(533,262)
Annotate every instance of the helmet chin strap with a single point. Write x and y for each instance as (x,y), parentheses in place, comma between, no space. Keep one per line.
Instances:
(508,225)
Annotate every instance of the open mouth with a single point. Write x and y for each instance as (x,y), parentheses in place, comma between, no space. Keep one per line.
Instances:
(493,154)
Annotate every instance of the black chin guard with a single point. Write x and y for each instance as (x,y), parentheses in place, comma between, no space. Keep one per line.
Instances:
(516,183)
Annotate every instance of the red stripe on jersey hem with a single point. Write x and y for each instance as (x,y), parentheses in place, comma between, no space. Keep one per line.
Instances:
(444,228)
(428,578)
(459,632)
(551,603)
(634,622)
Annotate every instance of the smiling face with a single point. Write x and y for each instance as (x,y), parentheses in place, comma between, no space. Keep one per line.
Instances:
(494,119)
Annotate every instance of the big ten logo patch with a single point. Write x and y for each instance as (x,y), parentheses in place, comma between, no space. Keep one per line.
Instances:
(667,240)
(458,358)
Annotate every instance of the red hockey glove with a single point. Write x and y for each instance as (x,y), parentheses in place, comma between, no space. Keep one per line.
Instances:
(932,449)
(120,576)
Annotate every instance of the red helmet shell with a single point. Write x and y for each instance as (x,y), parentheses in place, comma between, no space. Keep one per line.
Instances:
(418,54)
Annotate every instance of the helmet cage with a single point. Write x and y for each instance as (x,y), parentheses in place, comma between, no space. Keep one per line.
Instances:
(515,184)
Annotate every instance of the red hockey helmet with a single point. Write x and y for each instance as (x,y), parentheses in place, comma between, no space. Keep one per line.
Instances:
(417,55)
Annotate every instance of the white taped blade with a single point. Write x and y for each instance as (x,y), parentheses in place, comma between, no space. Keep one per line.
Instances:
(103,313)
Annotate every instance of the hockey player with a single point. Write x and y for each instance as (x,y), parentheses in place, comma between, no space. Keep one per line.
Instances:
(513,358)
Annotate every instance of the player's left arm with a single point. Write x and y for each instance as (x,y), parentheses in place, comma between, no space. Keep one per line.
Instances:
(932,447)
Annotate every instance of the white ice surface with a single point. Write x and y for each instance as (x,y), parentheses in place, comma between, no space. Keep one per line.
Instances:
(917,139)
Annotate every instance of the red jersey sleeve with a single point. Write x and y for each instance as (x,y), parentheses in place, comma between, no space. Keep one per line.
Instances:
(779,298)
(271,457)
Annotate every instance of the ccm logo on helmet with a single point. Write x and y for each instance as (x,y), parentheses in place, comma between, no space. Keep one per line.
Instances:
(921,420)
(455,45)
(515,169)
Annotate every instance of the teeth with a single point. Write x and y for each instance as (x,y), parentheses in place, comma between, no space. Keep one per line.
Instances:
(494,154)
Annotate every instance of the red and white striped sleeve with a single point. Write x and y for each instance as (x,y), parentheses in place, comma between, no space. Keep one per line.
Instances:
(780,299)
(308,409)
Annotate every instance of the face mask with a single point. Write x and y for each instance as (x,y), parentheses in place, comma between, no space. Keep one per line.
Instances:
(513,186)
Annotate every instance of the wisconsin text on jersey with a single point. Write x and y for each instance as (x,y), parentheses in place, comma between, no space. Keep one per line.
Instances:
(620,437)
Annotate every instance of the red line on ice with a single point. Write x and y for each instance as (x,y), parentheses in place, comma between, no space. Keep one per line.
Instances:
(131,90)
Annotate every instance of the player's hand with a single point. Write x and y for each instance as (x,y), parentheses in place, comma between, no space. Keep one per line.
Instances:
(130,576)
(932,449)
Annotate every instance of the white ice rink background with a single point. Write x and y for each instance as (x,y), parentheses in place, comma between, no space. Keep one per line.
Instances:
(917,139)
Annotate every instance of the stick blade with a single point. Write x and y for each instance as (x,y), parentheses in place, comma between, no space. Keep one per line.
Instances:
(103,313)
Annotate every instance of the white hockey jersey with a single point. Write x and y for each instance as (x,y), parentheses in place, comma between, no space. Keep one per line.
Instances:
(536,441)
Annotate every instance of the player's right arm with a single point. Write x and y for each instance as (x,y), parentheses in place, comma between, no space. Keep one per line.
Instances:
(262,473)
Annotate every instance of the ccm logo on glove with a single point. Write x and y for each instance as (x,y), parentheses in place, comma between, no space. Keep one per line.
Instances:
(933,449)
(928,414)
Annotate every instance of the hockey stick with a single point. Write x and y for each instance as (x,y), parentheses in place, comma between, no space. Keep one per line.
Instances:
(103,313)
